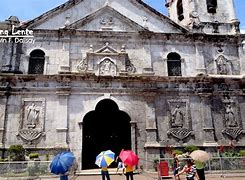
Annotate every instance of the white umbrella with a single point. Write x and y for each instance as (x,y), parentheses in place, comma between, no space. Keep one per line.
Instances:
(200,155)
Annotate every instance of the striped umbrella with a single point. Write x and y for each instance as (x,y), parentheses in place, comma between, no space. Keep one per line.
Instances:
(105,158)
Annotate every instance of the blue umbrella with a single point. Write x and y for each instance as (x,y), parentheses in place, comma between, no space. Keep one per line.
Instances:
(62,162)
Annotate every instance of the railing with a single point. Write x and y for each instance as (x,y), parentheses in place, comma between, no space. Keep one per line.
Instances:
(219,165)
(24,169)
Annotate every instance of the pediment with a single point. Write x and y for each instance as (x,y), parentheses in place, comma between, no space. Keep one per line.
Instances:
(106,50)
(106,19)
(128,15)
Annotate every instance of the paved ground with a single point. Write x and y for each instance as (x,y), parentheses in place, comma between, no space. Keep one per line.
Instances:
(143,176)
(146,176)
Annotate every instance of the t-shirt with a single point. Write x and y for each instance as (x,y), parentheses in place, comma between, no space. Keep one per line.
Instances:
(129,168)
(190,171)
(199,164)
(104,169)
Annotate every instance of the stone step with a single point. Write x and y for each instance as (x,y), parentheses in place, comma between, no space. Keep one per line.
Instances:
(88,172)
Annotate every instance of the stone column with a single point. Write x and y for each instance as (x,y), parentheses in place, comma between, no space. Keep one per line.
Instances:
(146,55)
(63,93)
(207,123)
(65,56)
(231,9)
(200,66)
(241,51)
(3,114)
(151,128)
(133,136)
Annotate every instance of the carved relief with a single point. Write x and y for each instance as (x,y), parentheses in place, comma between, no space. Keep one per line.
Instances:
(31,125)
(223,65)
(177,117)
(180,125)
(232,121)
(106,61)
(82,66)
(107,23)
(107,68)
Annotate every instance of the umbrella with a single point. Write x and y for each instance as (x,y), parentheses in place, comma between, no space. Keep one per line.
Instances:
(129,157)
(62,162)
(105,158)
(200,155)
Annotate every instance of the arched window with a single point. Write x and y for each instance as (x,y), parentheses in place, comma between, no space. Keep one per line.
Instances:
(211,6)
(174,64)
(180,11)
(36,62)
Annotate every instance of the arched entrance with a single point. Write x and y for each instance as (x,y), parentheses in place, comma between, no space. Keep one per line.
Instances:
(104,128)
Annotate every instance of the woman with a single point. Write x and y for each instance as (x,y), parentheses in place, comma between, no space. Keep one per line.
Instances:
(129,172)
(189,169)
(105,173)
(176,167)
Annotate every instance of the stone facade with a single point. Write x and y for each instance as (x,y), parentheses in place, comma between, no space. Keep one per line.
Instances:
(121,51)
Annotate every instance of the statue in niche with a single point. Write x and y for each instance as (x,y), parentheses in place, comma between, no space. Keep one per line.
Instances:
(222,65)
(32,115)
(230,117)
(177,118)
(107,68)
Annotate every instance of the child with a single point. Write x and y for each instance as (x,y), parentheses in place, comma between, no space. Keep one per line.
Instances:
(189,169)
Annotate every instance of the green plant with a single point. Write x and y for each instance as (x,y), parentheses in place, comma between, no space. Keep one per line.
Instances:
(242,152)
(33,155)
(47,157)
(190,148)
(17,152)
(178,152)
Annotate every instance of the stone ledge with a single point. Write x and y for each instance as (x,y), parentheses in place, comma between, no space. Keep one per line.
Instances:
(152,145)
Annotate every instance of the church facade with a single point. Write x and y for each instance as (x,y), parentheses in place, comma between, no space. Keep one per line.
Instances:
(109,74)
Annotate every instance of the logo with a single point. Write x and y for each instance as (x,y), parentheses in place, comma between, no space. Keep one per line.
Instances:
(24,36)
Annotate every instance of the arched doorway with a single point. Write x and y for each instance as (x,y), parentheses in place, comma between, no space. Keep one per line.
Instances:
(104,128)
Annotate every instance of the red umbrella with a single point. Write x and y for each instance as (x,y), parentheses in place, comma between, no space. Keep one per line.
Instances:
(129,157)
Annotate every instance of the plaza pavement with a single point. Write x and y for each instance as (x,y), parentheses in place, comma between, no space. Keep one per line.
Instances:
(154,176)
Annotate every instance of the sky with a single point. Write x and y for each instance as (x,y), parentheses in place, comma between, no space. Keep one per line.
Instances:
(29,9)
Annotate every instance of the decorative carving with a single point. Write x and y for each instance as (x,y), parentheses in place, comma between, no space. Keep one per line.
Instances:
(106,61)
(107,67)
(180,134)
(32,115)
(83,65)
(194,20)
(177,118)
(230,119)
(130,67)
(233,133)
(107,22)
(31,125)
(222,65)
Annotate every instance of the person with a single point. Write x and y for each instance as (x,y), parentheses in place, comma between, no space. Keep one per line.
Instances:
(105,173)
(120,164)
(64,177)
(175,167)
(200,169)
(189,169)
(129,171)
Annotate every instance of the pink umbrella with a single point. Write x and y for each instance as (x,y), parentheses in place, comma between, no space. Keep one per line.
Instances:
(129,157)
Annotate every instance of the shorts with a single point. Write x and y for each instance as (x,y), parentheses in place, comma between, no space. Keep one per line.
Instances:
(176,170)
